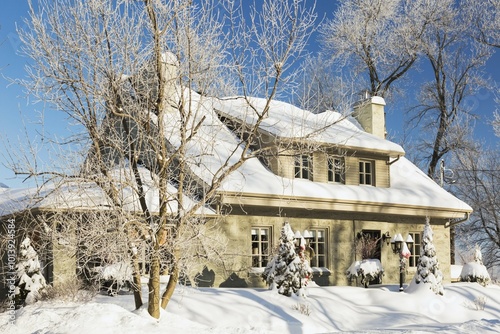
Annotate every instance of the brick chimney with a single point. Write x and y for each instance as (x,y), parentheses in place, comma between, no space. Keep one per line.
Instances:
(370,114)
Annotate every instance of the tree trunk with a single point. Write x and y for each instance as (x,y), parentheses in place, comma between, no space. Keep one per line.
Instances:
(154,286)
(136,286)
(172,283)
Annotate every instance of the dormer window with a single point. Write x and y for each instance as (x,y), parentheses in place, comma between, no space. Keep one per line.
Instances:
(366,173)
(303,167)
(336,169)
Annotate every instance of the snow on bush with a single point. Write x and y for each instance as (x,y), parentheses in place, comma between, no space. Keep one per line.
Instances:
(368,270)
(475,271)
(113,276)
(428,265)
(30,283)
(288,270)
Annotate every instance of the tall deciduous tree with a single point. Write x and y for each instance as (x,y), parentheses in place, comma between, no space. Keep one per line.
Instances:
(456,62)
(376,38)
(484,17)
(478,184)
(138,79)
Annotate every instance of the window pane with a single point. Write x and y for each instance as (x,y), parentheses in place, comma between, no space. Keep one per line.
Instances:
(368,179)
(368,167)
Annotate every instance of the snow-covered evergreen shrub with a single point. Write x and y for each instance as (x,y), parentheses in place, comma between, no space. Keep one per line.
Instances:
(428,264)
(30,283)
(288,270)
(475,271)
(368,270)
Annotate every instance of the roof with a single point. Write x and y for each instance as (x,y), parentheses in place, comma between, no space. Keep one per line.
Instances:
(87,196)
(213,149)
(410,190)
(287,121)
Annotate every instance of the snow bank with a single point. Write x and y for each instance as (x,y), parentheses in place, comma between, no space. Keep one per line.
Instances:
(242,311)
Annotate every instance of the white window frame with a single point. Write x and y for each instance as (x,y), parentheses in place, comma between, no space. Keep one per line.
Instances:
(303,167)
(320,259)
(336,169)
(417,245)
(261,248)
(366,177)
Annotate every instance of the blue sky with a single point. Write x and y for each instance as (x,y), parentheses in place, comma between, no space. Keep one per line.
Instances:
(17,111)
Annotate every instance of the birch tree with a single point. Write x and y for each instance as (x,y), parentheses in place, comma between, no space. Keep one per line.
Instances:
(136,79)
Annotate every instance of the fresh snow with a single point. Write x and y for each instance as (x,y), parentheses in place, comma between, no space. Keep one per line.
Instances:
(287,121)
(87,195)
(475,272)
(409,186)
(371,267)
(219,310)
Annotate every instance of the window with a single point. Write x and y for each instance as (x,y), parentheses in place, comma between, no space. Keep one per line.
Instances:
(260,246)
(366,173)
(303,167)
(336,169)
(318,244)
(414,249)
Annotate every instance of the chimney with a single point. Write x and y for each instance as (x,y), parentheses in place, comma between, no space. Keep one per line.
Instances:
(370,114)
(170,68)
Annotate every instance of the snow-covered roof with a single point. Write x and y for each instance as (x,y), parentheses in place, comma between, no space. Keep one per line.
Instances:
(287,121)
(213,149)
(88,196)
(409,186)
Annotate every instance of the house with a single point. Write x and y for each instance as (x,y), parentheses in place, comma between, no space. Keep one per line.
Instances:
(339,183)
(335,176)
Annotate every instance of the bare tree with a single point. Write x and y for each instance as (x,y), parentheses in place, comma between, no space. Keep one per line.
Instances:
(322,88)
(485,20)
(376,38)
(139,80)
(478,183)
(496,123)
(456,62)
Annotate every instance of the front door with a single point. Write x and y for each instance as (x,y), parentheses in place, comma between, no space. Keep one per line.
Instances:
(370,247)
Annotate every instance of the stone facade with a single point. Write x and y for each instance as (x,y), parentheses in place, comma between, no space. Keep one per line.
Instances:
(341,236)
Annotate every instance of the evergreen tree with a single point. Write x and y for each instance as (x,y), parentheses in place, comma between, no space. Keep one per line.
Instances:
(288,270)
(475,271)
(428,264)
(30,281)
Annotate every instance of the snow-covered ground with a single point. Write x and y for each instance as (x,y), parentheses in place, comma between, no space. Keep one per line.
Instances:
(331,309)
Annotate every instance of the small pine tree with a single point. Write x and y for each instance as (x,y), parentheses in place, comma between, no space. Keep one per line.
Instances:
(428,264)
(288,270)
(30,282)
